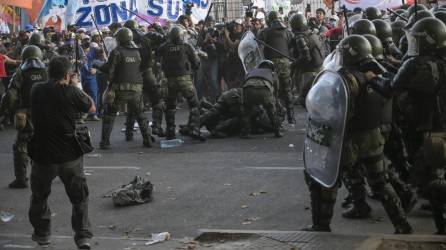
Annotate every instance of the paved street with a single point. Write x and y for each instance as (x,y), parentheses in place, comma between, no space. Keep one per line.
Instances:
(233,184)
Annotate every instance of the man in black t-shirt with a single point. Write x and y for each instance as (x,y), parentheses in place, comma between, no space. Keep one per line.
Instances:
(55,152)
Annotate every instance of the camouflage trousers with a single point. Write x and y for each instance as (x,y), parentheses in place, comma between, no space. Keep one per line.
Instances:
(134,101)
(152,91)
(365,147)
(283,70)
(429,175)
(253,97)
(353,178)
(20,151)
(303,82)
(182,85)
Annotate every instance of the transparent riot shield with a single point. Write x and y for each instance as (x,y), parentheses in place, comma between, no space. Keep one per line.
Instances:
(327,105)
(249,51)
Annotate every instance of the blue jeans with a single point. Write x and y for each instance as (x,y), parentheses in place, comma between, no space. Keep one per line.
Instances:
(210,74)
(91,87)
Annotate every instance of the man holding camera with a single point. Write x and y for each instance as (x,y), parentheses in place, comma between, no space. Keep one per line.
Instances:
(55,151)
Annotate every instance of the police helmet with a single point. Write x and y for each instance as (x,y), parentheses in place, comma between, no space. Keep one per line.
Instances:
(426,36)
(31,51)
(383,30)
(415,8)
(372,13)
(298,22)
(420,15)
(36,39)
(353,50)
(131,24)
(124,35)
(363,26)
(377,46)
(175,34)
(272,16)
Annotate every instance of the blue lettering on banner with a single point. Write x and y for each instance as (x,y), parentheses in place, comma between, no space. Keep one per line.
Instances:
(104,14)
(83,18)
(102,19)
(116,11)
(155,8)
(171,15)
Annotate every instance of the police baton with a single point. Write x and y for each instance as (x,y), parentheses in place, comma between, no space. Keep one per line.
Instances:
(134,13)
(398,15)
(275,50)
(99,32)
(344,12)
(204,25)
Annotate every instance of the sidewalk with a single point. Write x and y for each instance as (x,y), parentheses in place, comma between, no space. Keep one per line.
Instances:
(244,240)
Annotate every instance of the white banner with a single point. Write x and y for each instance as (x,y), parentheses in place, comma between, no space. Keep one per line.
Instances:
(106,12)
(363,4)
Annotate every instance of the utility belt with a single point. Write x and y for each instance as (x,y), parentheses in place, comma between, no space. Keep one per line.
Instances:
(21,118)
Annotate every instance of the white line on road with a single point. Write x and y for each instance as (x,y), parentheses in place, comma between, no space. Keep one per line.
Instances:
(112,167)
(276,168)
(13,235)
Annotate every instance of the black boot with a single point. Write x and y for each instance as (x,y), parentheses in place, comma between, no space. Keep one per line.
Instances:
(19,183)
(358,211)
(347,202)
(403,228)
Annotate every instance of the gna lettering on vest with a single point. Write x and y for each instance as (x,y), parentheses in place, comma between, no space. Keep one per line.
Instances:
(130,60)
(36,77)
(174,49)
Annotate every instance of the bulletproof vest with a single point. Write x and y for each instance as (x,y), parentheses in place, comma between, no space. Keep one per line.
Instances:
(367,104)
(317,50)
(128,70)
(278,39)
(175,60)
(30,77)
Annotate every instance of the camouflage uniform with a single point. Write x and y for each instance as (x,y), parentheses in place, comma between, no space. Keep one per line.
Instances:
(32,71)
(125,87)
(178,62)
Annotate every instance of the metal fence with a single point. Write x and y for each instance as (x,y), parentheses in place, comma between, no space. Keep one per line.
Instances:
(226,10)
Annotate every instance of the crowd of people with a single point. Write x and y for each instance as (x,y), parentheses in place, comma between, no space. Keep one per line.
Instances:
(395,121)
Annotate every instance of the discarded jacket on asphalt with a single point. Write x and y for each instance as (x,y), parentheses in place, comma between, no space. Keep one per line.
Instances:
(138,191)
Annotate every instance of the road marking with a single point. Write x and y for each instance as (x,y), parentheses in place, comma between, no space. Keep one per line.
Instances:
(113,167)
(276,168)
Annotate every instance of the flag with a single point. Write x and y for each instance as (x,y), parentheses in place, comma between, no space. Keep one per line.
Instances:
(25,4)
(7,15)
(72,7)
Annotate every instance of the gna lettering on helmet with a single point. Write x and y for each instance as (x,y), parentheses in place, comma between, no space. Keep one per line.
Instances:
(130,59)
(36,77)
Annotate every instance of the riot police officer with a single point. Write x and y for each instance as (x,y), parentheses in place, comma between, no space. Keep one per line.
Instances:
(309,53)
(422,77)
(178,62)
(38,40)
(31,71)
(260,88)
(360,138)
(126,84)
(151,87)
(277,36)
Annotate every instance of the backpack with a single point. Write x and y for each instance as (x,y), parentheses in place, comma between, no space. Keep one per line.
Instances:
(138,191)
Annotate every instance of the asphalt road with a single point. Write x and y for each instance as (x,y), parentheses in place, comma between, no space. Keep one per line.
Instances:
(252,184)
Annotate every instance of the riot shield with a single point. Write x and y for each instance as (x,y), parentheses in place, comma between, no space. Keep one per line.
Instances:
(249,51)
(327,105)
